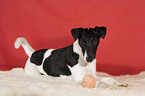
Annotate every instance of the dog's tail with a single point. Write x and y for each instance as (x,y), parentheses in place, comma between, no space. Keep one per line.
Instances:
(22,41)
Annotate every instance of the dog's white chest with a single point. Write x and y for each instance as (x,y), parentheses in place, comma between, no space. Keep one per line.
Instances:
(79,71)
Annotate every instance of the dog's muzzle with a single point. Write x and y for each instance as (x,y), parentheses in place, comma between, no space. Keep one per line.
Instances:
(89,59)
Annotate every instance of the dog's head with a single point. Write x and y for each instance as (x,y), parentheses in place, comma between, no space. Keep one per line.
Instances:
(89,39)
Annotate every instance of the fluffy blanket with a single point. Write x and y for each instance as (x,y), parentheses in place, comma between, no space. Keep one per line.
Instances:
(17,83)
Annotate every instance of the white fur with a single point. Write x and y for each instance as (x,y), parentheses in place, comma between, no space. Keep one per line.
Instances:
(31,68)
(78,72)
(92,67)
(22,41)
(77,49)
(85,56)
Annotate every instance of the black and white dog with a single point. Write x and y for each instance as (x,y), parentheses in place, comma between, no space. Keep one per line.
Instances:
(76,60)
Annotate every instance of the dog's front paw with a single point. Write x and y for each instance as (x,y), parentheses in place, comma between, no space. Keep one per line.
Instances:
(108,80)
(121,84)
(112,82)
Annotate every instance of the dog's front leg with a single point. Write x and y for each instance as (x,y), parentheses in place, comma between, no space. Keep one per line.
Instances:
(78,73)
(92,71)
(92,68)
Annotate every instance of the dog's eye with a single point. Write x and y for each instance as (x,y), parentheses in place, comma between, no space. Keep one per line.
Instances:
(94,42)
(83,42)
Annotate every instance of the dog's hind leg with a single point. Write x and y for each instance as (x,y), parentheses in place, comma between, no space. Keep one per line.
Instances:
(31,68)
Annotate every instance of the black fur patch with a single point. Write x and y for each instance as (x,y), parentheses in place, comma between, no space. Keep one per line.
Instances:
(37,57)
(57,63)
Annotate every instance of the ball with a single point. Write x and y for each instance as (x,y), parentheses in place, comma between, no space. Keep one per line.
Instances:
(89,81)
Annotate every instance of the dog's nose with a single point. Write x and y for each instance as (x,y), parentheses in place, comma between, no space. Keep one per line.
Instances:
(89,59)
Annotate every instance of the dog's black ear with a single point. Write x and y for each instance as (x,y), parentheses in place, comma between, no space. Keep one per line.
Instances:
(101,31)
(76,32)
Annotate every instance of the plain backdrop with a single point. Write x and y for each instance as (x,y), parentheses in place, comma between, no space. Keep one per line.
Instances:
(47,24)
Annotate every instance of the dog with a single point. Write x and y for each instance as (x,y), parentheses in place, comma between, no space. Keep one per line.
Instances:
(76,60)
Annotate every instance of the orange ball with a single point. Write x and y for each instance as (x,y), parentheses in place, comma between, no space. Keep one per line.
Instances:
(89,81)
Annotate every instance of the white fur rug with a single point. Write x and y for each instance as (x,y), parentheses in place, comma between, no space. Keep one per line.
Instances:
(17,83)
